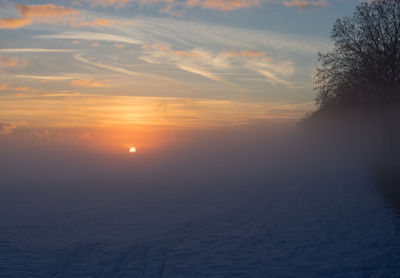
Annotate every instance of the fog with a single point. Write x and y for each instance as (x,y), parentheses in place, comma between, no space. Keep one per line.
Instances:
(256,200)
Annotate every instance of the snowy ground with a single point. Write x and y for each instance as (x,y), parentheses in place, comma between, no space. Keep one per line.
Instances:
(313,220)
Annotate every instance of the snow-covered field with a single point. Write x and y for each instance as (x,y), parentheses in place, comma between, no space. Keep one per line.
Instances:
(257,212)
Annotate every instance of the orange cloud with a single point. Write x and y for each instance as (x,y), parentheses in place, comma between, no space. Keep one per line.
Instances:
(165,50)
(99,22)
(22,89)
(14,23)
(87,83)
(304,4)
(11,63)
(3,87)
(49,13)
(45,12)
(223,5)
(119,45)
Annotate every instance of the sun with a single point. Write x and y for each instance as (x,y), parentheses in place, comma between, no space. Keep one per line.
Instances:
(132,150)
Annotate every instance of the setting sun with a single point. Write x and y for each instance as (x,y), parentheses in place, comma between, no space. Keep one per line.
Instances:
(132,150)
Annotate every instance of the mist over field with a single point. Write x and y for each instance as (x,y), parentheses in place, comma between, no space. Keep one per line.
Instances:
(199,138)
(251,201)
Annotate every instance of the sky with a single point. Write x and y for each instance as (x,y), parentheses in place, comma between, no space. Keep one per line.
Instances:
(139,65)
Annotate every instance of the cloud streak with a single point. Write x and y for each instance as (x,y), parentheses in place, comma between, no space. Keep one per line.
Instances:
(304,4)
(88,82)
(33,50)
(92,36)
(212,65)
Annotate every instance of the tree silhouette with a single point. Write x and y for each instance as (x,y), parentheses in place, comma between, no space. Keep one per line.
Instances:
(363,69)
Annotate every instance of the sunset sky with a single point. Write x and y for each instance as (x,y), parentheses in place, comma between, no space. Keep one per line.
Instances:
(180,63)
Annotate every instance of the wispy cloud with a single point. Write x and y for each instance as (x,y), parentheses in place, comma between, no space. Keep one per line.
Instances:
(150,76)
(119,45)
(223,5)
(198,61)
(49,77)
(211,65)
(97,22)
(203,35)
(88,82)
(304,4)
(33,50)
(92,36)
(22,89)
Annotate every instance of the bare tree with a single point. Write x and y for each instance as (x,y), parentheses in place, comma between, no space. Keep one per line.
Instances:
(363,69)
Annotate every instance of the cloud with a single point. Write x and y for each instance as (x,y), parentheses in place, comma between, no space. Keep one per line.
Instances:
(22,89)
(6,62)
(223,5)
(49,13)
(2,87)
(92,36)
(215,65)
(140,75)
(88,83)
(33,50)
(46,135)
(197,61)
(107,3)
(119,45)
(14,23)
(244,54)
(304,4)
(122,3)
(97,22)
(6,128)
(49,77)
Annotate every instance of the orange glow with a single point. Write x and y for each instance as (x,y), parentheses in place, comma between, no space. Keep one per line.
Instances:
(132,150)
